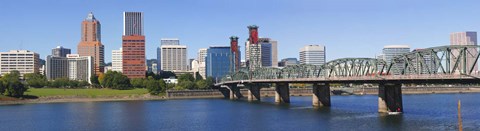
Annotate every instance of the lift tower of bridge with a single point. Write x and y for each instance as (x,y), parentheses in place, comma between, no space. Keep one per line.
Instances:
(253,52)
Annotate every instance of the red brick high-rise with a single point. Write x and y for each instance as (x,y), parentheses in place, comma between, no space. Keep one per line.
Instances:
(133,45)
(90,43)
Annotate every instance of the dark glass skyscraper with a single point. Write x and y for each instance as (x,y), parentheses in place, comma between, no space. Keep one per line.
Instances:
(218,61)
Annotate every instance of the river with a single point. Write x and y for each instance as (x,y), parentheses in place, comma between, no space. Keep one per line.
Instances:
(422,112)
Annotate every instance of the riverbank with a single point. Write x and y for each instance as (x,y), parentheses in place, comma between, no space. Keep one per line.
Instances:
(52,95)
(56,95)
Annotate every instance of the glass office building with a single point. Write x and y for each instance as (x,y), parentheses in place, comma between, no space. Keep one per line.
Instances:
(218,61)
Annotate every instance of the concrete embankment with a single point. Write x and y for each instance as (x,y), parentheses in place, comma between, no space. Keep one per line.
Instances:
(270,92)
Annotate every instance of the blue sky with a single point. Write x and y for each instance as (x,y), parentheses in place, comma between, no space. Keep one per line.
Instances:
(348,28)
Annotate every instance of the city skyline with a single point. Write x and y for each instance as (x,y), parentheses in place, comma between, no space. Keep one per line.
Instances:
(303,23)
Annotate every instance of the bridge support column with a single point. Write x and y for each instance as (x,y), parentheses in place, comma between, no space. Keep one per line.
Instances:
(254,93)
(390,98)
(321,95)
(234,92)
(282,93)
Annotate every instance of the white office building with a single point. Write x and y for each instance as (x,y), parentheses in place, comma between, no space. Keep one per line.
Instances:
(117,60)
(73,67)
(390,52)
(23,61)
(173,58)
(313,54)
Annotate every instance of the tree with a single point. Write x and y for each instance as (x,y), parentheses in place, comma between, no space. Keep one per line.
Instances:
(198,76)
(2,87)
(60,83)
(186,77)
(210,82)
(35,80)
(185,85)
(83,84)
(201,84)
(14,87)
(94,80)
(101,78)
(115,80)
(155,87)
(138,83)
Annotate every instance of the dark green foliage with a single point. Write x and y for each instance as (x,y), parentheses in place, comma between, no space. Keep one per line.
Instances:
(35,80)
(2,87)
(198,76)
(138,83)
(210,81)
(185,77)
(13,86)
(153,75)
(95,81)
(155,87)
(116,80)
(201,84)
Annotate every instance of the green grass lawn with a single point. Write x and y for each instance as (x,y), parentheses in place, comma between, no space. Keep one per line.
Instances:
(83,92)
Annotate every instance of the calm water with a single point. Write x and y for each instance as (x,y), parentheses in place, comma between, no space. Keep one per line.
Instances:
(422,112)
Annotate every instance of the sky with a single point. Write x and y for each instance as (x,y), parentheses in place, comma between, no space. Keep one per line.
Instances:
(348,28)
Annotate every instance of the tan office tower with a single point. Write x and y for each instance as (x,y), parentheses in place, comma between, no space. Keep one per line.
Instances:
(90,44)
(464,38)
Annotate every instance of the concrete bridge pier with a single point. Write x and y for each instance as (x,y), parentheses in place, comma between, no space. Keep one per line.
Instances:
(282,93)
(321,95)
(390,98)
(234,92)
(253,93)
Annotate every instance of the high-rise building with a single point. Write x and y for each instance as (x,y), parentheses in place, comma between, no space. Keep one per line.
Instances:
(56,67)
(60,51)
(73,67)
(174,58)
(91,42)
(390,52)
(117,61)
(23,61)
(268,52)
(218,61)
(133,45)
(274,45)
(313,54)
(132,23)
(464,38)
(288,62)
(201,56)
(133,56)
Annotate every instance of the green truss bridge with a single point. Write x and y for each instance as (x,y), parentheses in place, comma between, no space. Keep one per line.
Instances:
(439,65)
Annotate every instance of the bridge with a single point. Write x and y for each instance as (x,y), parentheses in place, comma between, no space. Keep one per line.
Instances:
(456,64)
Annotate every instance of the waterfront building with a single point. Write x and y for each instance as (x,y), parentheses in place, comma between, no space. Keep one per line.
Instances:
(91,42)
(464,38)
(133,45)
(392,51)
(288,62)
(117,62)
(73,67)
(427,62)
(201,56)
(60,51)
(24,61)
(268,52)
(313,54)
(174,58)
(218,61)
